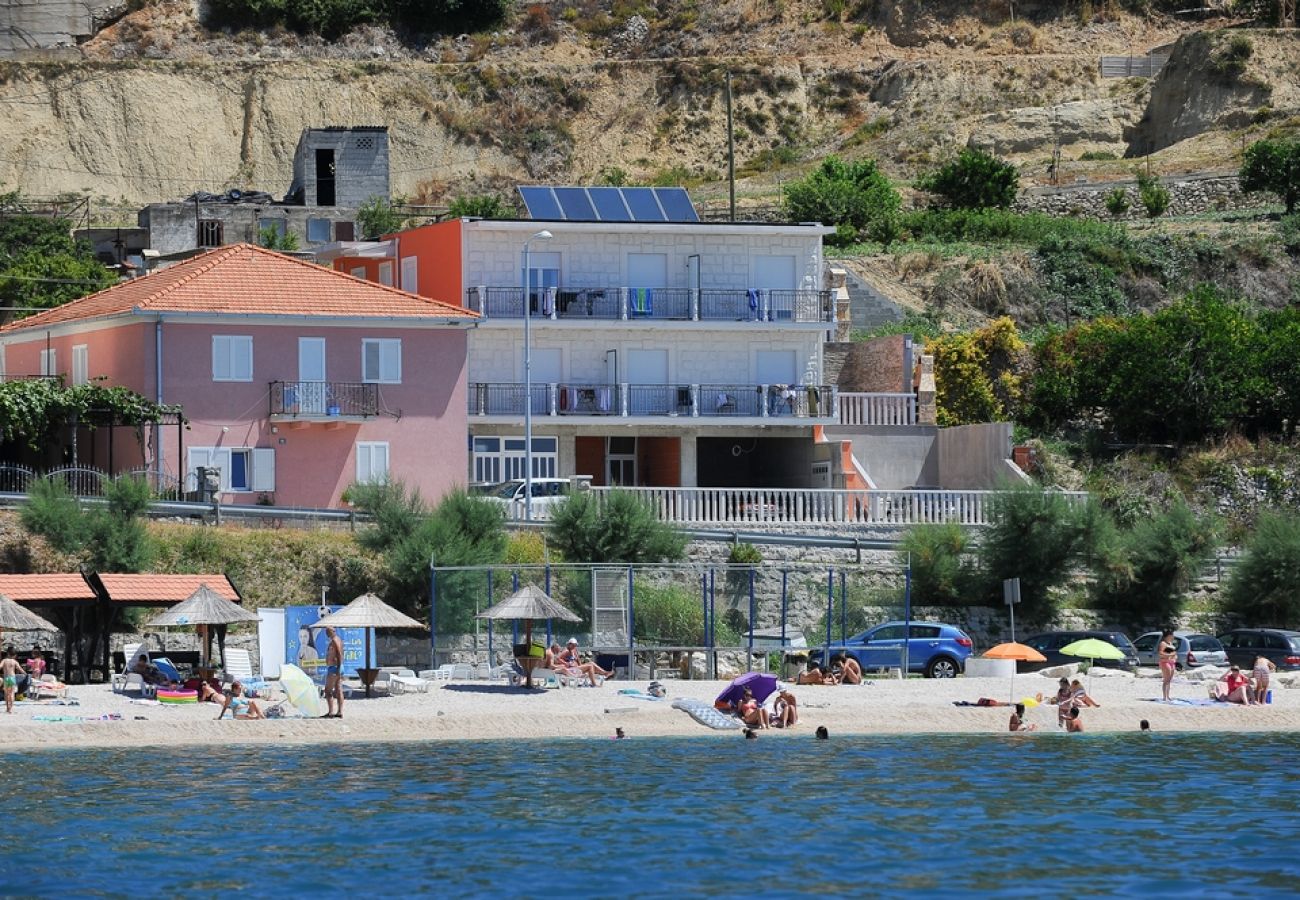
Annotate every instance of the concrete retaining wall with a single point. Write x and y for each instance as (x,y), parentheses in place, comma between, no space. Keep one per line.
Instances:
(34,26)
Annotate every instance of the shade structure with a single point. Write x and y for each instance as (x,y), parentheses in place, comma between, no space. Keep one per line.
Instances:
(529,602)
(204,607)
(18,618)
(1013,650)
(368,611)
(761,684)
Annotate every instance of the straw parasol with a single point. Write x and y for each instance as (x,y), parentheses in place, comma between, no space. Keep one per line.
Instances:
(368,611)
(528,603)
(18,618)
(204,607)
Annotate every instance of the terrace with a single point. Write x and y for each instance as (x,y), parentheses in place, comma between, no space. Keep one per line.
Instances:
(726,401)
(627,304)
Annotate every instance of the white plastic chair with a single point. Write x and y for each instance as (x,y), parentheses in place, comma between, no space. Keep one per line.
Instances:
(238,666)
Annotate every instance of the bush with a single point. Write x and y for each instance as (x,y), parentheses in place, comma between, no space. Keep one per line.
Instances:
(974,180)
(483,206)
(1145,573)
(1153,194)
(53,513)
(119,540)
(1117,202)
(271,238)
(1264,586)
(744,555)
(622,528)
(855,197)
(376,218)
(941,573)
(1288,229)
(1229,60)
(977,373)
(1273,167)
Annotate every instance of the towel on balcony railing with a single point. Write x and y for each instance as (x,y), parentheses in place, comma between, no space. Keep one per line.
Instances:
(602,399)
(642,301)
(752,294)
(548,301)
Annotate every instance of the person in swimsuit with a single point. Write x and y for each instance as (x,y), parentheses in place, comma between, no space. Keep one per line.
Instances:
(1237,687)
(750,712)
(1074,723)
(850,671)
(785,711)
(10,670)
(240,706)
(36,665)
(1017,722)
(1263,669)
(1167,651)
(814,675)
(333,674)
(209,694)
(573,662)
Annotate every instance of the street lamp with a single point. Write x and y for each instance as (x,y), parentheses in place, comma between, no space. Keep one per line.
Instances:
(528,379)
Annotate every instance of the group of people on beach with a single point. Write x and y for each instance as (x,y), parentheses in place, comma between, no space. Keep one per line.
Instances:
(843,670)
(568,662)
(1249,690)
(18,680)
(784,713)
(1071,697)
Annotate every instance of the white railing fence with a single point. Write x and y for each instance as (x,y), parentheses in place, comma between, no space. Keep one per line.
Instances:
(877,409)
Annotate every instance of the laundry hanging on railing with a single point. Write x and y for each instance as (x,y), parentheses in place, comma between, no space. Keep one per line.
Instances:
(752,294)
(548,301)
(602,399)
(642,301)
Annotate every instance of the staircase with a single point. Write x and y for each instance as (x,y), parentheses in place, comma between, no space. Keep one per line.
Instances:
(868,307)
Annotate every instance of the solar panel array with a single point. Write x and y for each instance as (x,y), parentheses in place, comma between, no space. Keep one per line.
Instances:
(609,204)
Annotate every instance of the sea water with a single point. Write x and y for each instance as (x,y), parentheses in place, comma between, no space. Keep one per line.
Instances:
(1034,815)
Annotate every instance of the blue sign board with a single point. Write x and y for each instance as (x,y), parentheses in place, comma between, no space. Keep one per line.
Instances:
(305,646)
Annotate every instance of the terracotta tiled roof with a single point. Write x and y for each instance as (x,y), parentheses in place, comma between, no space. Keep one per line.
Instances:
(39,588)
(163,588)
(244,279)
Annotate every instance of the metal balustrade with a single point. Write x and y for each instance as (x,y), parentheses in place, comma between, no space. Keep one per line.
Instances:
(654,304)
(669,400)
(324,399)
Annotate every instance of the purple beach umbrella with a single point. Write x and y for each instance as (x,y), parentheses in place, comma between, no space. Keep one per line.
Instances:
(761,684)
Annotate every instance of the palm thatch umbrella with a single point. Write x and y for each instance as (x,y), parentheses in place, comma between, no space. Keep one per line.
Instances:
(528,603)
(18,618)
(204,607)
(368,611)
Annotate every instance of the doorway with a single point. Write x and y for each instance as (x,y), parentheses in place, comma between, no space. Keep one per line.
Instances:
(311,375)
(620,461)
(324,177)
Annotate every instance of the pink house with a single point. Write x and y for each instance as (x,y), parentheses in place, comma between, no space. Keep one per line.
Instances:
(296,380)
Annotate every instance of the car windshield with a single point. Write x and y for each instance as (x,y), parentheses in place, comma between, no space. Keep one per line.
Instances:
(507,490)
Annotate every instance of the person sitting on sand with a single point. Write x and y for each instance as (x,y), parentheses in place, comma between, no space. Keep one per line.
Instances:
(750,712)
(814,675)
(1074,723)
(573,661)
(1077,697)
(1017,722)
(785,712)
(1062,691)
(850,671)
(1236,687)
(240,706)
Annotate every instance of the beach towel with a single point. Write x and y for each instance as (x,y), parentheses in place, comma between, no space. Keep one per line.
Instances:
(707,716)
(1183,701)
(106,717)
(642,301)
(638,694)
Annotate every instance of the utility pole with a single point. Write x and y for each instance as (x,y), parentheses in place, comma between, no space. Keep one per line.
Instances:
(731,153)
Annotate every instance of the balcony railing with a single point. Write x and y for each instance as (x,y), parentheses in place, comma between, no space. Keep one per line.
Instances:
(324,399)
(877,409)
(775,401)
(654,304)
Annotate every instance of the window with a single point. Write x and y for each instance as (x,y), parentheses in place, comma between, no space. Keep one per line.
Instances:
(372,462)
(242,468)
(381,360)
(49,362)
(386,273)
(543,272)
(318,230)
(344,231)
(502,459)
(80,364)
(926,632)
(210,234)
(411,274)
(358,272)
(1146,643)
(887,633)
(232,357)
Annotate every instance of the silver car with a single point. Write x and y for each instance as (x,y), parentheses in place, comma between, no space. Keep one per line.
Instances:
(1194,649)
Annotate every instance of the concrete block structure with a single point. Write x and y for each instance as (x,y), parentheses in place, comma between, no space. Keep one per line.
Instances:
(340,166)
(32,27)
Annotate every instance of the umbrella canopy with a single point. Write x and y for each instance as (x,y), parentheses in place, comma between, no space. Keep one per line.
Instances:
(368,611)
(529,602)
(1012,650)
(18,618)
(204,607)
(1093,648)
(300,690)
(761,684)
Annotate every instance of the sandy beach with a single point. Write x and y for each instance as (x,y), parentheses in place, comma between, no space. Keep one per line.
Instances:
(479,710)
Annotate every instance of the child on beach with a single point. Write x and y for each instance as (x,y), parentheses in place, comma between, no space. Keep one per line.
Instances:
(1264,667)
(1074,723)
(1017,722)
(10,670)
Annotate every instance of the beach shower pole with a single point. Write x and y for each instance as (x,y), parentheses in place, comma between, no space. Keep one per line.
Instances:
(830,613)
(907,616)
(785,575)
(749,659)
(713,655)
(844,602)
(433,614)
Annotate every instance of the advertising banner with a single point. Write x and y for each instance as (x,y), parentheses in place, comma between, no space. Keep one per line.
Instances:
(305,646)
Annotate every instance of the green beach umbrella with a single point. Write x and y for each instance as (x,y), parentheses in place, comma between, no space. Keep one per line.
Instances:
(1092,649)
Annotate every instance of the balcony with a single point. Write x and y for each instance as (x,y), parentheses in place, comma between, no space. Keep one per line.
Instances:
(323,401)
(692,401)
(586,304)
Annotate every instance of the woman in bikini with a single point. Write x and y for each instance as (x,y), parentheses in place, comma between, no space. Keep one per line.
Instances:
(1167,651)
(785,712)
(1263,669)
(240,706)
(750,712)
(573,662)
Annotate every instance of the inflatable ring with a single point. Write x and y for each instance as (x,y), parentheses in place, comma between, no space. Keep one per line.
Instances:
(178,696)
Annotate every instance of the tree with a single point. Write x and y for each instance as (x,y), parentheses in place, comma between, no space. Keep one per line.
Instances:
(41,266)
(273,238)
(1153,194)
(976,373)
(113,537)
(483,206)
(1273,167)
(621,529)
(378,218)
(1264,588)
(941,574)
(974,180)
(855,197)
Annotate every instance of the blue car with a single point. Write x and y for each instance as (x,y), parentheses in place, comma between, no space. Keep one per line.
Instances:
(935,649)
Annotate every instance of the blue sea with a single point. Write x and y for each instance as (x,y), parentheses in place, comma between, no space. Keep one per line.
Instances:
(1034,815)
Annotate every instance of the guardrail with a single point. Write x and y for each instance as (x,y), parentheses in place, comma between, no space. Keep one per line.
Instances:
(655,400)
(877,409)
(654,304)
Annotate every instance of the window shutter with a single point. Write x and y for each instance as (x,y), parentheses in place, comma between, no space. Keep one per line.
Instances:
(390,362)
(221,459)
(242,362)
(370,359)
(220,358)
(263,459)
(196,457)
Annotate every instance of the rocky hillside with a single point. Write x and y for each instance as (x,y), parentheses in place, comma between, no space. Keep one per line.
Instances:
(158,105)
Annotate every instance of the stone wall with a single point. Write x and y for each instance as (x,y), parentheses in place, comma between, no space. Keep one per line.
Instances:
(1187,195)
(32,27)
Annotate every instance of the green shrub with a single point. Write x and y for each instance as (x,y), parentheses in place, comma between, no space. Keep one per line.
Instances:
(744,555)
(376,218)
(484,206)
(119,540)
(1264,587)
(1117,202)
(855,197)
(53,513)
(974,180)
(271,238)
(671,615)
(1097,156)
(1153,194)
(1273,166)
(1229,61)
(1288,229)
(941,572)
(622,528)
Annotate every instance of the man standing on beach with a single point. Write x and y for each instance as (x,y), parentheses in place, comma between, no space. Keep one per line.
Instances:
(333,674)
(10,670)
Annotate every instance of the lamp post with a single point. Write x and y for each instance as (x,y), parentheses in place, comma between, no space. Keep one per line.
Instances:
(528,379)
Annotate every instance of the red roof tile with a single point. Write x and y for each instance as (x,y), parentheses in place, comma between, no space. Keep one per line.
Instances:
(244,279)
(37,588)
(163,588)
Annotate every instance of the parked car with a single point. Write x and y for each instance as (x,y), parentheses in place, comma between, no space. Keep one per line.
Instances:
(1193,649)
(1050,643)
(934,649)
(1277,644)
(547,493)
